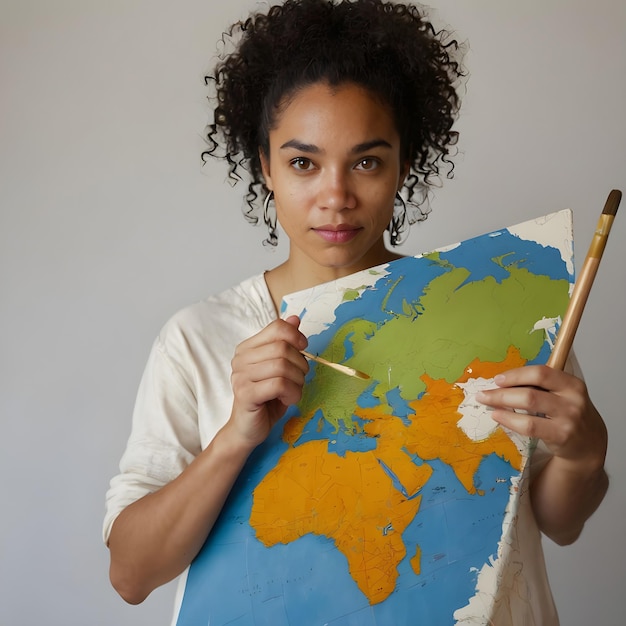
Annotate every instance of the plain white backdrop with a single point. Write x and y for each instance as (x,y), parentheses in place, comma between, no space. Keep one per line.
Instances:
(109,224)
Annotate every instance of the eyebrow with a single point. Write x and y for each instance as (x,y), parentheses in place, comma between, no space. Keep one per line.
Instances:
(301,146)
(358,149)
(369,145)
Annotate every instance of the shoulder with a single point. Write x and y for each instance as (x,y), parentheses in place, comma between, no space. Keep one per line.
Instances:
(219,320)
(248,302)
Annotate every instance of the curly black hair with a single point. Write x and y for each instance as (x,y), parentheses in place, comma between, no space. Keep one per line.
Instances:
(391,49)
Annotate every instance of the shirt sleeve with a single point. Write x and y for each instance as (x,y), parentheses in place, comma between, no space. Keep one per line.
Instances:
(164,437)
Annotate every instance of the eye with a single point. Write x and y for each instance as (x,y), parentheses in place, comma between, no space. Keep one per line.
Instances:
(301,164)
(368,164)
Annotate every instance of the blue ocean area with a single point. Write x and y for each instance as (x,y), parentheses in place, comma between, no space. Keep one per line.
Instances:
(490,255)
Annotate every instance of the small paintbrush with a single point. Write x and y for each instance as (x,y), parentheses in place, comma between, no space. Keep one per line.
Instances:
(582,287)
(344,369)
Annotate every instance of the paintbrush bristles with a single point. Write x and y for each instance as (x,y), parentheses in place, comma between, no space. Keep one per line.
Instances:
(612,202)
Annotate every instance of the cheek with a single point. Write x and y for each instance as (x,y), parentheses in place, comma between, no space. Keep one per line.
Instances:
(295,197)
(383,202)
(289,209)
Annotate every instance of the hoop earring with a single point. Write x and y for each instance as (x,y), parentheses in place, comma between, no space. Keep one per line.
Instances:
(398,224)
(269,219)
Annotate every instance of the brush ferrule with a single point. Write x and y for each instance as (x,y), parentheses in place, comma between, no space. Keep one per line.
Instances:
(598,243)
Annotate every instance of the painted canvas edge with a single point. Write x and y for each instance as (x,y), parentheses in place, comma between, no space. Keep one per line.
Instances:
(553,229)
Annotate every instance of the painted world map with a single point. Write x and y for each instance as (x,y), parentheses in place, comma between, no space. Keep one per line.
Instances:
(387,500)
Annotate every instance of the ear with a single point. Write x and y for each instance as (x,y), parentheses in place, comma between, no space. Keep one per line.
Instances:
(265,168)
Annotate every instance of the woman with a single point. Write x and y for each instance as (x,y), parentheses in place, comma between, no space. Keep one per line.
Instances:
(334,109)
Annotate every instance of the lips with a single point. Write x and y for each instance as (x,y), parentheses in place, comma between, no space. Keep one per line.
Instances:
(340,233)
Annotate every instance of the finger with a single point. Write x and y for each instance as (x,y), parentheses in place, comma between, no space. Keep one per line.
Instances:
(278,330)
(294,368)
(277,361)
(526,424)
(252,394)
(270,356)
(543,377)
(285,390)
(528,399)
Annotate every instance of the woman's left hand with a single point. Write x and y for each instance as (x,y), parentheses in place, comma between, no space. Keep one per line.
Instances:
(553,406)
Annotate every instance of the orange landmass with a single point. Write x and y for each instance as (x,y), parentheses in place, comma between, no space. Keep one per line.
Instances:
(433,432)
(416,564)
(352,498)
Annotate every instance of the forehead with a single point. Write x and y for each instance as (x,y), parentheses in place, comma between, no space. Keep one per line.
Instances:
(345,113)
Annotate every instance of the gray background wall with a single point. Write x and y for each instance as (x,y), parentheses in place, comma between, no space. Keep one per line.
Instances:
(108,224)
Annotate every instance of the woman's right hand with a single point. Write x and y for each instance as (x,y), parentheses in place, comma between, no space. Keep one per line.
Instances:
(268,373)
(156,537)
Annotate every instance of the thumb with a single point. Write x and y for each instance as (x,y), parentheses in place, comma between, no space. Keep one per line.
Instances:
(294,320)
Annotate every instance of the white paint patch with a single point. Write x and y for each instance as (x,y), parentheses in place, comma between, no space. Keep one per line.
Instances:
(476,422)
(324,298)
(549,326)
(447,248)
(550,230)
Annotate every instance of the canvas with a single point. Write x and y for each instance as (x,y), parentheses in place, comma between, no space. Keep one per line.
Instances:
(390,500)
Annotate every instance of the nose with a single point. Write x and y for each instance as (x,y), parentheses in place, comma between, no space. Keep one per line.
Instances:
(336,191)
